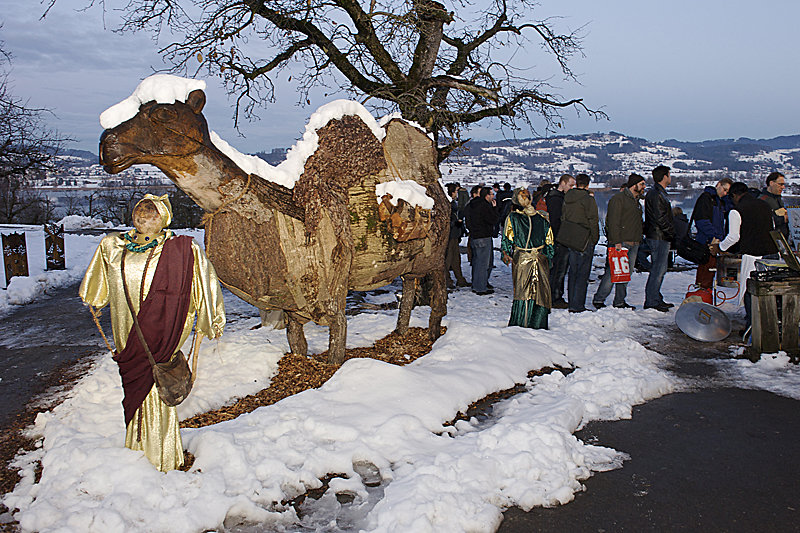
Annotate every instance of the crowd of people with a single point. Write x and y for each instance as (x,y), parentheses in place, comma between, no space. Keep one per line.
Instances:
(548,236)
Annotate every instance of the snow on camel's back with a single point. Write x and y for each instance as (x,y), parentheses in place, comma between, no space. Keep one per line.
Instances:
(354,205)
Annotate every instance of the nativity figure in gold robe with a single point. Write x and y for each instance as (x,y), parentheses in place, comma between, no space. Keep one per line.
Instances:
(186,291)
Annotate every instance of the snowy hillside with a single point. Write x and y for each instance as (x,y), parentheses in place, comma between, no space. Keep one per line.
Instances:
(610,157)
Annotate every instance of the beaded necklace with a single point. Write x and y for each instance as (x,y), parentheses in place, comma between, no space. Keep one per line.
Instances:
(133,247)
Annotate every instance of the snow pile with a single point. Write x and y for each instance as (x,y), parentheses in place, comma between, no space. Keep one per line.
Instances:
(772,372)
(436,477)
(408,190)
(78,222)
(163,88)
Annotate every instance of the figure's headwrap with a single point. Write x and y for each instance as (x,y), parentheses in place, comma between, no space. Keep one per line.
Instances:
(163,206)
(528,208)
(515,197)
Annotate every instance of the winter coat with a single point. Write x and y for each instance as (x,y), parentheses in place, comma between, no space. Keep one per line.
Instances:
(754,238)
(481,218)
(555,204)
(456,225)
(709,216)
(658,215)
(580,222)
(624,219)
(775,202)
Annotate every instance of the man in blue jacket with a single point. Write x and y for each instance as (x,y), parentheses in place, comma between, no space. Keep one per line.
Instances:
(709,214)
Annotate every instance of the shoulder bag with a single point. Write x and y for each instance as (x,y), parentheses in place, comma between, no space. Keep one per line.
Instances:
(691,249)
(173,378)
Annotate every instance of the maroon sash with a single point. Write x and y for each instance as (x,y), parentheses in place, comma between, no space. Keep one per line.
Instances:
(161,317)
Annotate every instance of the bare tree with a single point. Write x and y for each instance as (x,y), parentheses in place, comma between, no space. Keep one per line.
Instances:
(119,200)
(92,207)
(28,150)
(445,69)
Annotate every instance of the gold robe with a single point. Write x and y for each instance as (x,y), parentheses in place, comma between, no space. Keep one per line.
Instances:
(102,285)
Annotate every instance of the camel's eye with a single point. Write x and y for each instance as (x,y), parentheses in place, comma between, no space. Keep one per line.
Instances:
(164,114)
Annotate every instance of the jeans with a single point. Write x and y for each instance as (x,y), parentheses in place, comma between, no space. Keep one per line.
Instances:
(481,255)
(580,266)
(558,271)
(659,255)
(620,289)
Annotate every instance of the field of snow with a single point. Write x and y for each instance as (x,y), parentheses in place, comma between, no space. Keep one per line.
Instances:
(381,426)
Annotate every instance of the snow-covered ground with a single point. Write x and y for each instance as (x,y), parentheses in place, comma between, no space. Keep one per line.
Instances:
(374,423)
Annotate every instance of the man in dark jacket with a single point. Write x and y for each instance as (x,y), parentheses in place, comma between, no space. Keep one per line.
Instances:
(623,230)
(558,270)
(749,224)
(481,221)
(579,231)
(660,232)
(503,206)
(453,255)
(709,218)
(771,194)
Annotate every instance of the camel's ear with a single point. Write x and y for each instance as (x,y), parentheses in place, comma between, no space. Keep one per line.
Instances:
(196,100)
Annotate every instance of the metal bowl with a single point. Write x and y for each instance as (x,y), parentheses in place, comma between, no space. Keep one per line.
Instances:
(702,322)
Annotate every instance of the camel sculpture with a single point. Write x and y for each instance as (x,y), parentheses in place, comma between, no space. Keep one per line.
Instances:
(301,249)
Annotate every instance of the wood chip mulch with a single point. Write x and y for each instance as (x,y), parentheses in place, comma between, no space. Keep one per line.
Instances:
(297,373)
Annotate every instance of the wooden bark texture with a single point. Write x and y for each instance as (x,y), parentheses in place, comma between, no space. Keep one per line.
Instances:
(274,262)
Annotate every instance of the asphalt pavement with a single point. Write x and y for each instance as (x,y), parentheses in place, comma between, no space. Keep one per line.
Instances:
(711,458)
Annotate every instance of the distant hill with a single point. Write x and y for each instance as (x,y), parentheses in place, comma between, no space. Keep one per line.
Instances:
(611,157)
(608,157)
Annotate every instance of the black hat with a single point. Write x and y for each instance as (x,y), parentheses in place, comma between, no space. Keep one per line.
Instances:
(633,179)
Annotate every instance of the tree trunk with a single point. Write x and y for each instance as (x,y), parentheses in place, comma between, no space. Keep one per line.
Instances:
(406,304)
(296,336)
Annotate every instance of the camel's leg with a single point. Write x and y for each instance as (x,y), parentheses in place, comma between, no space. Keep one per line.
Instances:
(295,334)
(438,302)
(406,304)
(337,339)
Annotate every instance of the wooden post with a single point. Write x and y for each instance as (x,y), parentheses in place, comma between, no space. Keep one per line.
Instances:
(54,247)
(767,338)
(15,255)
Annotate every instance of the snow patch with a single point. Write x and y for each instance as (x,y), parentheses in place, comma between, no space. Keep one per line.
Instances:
(409,190)
(163,88)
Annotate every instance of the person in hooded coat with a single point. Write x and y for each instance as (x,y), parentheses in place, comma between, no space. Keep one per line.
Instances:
(527,243)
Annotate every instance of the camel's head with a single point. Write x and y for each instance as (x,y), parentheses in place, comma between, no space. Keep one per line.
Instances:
(157,134)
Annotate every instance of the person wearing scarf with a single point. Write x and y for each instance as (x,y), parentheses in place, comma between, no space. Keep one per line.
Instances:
(527,243)
(171,285)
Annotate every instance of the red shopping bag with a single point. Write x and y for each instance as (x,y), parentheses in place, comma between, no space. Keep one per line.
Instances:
(620,269)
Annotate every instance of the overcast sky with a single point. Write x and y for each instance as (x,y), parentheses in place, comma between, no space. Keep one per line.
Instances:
(685,69)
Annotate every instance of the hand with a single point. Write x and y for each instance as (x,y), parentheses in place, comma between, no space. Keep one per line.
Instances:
(715,241)
(506,258)
(781,212)
(714,248)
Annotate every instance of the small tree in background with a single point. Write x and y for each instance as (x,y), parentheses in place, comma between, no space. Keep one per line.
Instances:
(28,150)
